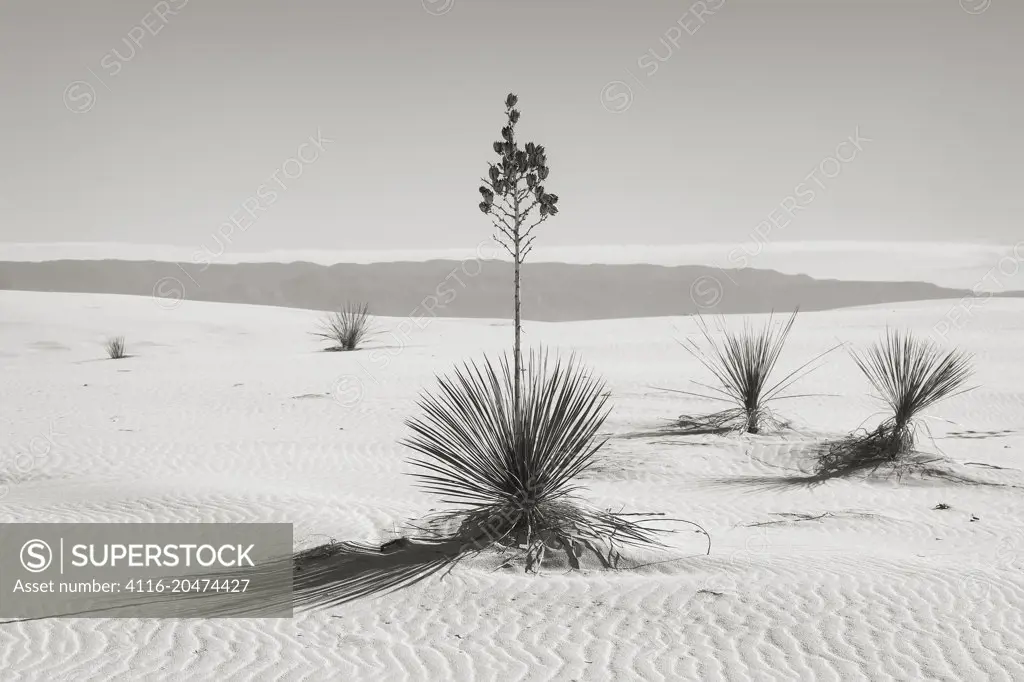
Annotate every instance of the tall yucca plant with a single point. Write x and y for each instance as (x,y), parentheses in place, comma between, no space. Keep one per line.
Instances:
(514,196)
(743,363)
(910,375)
(512,471)
(509,456)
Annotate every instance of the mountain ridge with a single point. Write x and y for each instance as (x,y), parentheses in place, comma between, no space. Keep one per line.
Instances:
(472,287)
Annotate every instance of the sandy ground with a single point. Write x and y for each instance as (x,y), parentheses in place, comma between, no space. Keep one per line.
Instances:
(228,413)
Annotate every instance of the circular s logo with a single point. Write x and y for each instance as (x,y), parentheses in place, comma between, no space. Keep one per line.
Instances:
(616,97)
(347,390)
(706,292)
(168,292)
(975,6)
(36,556)
(79,97)
(438,7)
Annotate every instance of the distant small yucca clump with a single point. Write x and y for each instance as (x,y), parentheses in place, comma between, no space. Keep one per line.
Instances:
(910,375)
(346,328)
(115,348)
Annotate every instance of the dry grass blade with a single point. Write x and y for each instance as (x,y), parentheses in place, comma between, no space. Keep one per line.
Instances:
(346,328)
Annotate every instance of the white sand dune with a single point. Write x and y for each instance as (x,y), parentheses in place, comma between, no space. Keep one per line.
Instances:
(229,413)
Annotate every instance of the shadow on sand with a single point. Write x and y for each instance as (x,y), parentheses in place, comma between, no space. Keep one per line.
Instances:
(724,423)
(917,467)
(327,575)
(340,572)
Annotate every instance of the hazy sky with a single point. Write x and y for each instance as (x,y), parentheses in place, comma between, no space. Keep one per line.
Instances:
(665,122)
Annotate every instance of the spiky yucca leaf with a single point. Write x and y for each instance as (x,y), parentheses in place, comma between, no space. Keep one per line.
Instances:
(347,328)
(513,472)
(476,453)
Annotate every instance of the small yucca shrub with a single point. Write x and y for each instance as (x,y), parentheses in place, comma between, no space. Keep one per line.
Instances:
(743,364)
(346,328)
(115,348)
(513,473)
(910,374)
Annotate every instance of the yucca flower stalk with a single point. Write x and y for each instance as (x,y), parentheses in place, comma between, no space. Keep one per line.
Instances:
(512,192)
